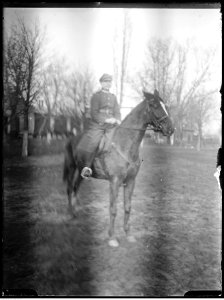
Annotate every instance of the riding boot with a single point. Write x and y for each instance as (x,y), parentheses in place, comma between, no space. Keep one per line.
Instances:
(87,159)
(86,172)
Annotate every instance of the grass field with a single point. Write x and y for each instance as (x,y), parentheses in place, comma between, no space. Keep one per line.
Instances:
(176,219)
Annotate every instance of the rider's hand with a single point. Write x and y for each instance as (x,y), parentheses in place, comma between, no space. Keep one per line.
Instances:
(111,121)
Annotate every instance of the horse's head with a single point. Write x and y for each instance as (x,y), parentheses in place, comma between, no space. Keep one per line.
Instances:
(157,114)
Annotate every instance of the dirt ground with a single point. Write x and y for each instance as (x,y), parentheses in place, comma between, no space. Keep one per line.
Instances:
(176,219)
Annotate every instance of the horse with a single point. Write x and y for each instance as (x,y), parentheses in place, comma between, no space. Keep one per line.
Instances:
(121,162)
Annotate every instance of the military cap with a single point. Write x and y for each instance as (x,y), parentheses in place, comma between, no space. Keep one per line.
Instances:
(105,77)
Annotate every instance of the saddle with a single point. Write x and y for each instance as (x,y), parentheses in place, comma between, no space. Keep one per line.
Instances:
(103,148)
(105,142)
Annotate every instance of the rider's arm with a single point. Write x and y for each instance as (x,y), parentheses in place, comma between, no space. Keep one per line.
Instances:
(117,113)
(95,109)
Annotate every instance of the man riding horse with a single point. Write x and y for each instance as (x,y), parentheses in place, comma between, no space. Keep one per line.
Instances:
(119,161)
(105,116)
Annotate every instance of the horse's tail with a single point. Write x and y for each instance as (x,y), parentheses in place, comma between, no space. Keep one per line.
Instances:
(69,160)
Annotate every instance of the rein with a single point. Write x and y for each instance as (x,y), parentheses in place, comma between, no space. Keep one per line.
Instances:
(132,128)
(162,118)
(154,120)
(120,153)
(123,156)
(157,123)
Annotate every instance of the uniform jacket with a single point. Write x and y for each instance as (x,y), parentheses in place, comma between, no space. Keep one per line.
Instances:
(104,105)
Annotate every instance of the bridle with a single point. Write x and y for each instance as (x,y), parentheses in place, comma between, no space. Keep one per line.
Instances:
(157,127)
(156,122)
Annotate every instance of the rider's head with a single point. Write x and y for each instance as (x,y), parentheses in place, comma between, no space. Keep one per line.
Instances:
(106,81)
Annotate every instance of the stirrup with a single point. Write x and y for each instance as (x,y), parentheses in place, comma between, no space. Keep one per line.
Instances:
(86,172)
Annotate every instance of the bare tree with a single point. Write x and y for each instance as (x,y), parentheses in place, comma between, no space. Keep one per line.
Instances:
(14,73)
(120,54)
(178,83)
(166,69)
(196,98)
(64,94)
(53,94)
(78,91)
(186,89)
(23,52)
(32,41)
(158,69)
(200,111)
(115,62)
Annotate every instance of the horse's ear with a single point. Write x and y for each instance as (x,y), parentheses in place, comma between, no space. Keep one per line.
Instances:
(156,93)
(148,96)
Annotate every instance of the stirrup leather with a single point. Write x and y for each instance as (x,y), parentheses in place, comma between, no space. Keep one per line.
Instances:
(86,172)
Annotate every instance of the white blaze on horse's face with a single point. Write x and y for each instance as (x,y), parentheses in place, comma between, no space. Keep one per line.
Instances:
(164,107)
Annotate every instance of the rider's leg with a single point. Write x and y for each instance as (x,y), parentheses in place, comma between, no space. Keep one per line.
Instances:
(88,148)
(87,159)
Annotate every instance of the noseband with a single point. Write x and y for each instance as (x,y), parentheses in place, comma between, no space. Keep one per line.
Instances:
(157,122)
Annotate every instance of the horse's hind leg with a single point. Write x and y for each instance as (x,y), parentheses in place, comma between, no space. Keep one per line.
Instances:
(72,188)
(76,184)
(114,187)
(128,191)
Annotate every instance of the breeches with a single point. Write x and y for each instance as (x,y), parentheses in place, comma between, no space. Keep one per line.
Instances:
(88,145)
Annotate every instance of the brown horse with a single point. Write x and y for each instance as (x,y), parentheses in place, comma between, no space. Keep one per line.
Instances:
(120,163)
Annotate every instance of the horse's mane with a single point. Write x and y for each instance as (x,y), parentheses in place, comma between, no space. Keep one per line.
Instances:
(134,120)
(134,114)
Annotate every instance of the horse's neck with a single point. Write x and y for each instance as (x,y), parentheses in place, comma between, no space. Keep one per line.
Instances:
(129,135)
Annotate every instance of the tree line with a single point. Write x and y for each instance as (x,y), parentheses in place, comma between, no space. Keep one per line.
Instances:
(33,79)
(184,86)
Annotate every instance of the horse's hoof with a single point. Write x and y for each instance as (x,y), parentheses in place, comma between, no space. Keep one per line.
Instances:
(131,239)
(113,243)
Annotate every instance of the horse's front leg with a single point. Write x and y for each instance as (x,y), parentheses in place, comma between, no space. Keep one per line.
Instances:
(128,191)
(114,188)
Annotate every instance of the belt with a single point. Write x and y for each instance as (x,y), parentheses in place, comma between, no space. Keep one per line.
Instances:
(103,123)
(105,110)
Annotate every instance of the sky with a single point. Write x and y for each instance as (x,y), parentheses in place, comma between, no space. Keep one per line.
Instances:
(85,36)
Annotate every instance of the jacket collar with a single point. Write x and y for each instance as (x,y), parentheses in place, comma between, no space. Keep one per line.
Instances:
(105,91)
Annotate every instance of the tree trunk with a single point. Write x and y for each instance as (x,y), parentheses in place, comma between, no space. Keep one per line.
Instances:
(123,59)
(68,124)
(199,143)
(25,134)
(49,137)
(25,144)
(168,140)
(156,137)
(199,138)
(172,139)
(122,74)
(42,127)
(51,129)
